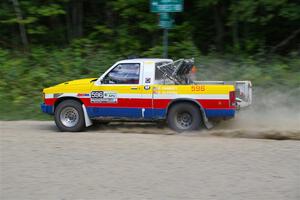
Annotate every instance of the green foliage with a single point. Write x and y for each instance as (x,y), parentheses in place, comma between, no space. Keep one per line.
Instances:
(46,10)
(275,74)
(290,11)
(23,76)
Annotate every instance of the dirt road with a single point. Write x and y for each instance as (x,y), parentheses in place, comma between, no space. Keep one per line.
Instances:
(38,162)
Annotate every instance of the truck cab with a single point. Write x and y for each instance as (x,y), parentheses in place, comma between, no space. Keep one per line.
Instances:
(141,90)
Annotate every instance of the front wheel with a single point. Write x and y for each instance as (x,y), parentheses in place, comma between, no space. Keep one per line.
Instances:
(69,116)
(184,117)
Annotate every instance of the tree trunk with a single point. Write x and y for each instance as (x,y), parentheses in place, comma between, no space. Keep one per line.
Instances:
(219,27)
(235,34)
(68,23)
(285,41)
(19,15)
(76,18)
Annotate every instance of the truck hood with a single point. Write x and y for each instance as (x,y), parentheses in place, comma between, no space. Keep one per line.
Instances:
(71,86)
(85,81)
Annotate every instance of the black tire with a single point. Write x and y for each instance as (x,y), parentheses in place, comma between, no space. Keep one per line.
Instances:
(69,110)
(184,117)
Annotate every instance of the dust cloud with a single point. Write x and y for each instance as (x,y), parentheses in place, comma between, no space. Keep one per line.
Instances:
(272,115)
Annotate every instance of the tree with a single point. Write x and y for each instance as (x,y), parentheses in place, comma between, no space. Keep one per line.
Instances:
(19,15)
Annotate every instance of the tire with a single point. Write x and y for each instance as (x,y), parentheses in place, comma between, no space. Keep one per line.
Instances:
(69,116)
(184,117)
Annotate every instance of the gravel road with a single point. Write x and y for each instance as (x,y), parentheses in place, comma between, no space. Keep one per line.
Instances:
(38,162)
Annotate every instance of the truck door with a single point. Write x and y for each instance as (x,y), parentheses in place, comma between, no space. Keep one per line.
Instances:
(119,95)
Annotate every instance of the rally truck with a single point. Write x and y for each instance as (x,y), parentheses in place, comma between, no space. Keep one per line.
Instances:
(158,90)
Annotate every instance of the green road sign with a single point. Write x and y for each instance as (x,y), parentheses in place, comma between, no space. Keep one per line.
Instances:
(166,6)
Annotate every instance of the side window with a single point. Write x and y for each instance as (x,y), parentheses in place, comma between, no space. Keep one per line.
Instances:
(125,73)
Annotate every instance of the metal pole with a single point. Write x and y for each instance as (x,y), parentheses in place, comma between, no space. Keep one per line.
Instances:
(165,43)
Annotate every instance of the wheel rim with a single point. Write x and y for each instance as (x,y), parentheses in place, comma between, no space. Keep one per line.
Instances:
(69,116)
(184,120)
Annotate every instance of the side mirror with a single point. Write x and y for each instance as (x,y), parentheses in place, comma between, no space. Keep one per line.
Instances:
(103,81)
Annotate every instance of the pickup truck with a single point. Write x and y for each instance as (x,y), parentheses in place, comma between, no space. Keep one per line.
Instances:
(145,90)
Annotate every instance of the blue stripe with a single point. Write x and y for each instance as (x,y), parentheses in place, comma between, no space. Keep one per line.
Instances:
(135,113)
(159,113)
(219,113)
(47,109)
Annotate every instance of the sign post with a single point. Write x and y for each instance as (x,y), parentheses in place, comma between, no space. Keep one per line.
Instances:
(165,43)
(165,22)
(165,8)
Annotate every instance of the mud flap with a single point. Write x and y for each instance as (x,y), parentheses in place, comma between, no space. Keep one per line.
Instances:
(207,123)
(87,120)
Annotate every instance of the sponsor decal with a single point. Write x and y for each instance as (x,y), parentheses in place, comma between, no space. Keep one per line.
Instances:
(56,95)
(167,90)
(104,97)
(155,90)
(147,80)
(147,87)
(196,88)
(82,95)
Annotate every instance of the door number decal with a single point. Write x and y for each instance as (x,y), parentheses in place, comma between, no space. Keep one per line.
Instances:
(103,97)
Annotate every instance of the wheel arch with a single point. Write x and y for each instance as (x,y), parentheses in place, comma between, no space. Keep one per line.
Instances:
(194,102)
(61,99)
(184,100)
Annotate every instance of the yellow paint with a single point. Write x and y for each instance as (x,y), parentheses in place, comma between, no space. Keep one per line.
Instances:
(76,86)
(86,86)
(193,89)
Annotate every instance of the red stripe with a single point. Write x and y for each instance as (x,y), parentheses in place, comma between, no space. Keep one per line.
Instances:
(124,103)
(147,103)
(206,103)
(214,103)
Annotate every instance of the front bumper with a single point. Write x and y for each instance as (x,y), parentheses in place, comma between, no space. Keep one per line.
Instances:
(47,109)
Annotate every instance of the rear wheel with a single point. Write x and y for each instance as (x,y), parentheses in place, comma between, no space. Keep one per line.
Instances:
(184,117)
(69,116)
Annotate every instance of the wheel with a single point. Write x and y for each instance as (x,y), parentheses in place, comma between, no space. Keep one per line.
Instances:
(69,116)
(184,117)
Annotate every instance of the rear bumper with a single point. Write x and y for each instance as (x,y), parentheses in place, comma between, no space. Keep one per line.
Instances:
(47,109)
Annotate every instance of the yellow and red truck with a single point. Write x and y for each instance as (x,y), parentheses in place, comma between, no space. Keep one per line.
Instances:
(145,90)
